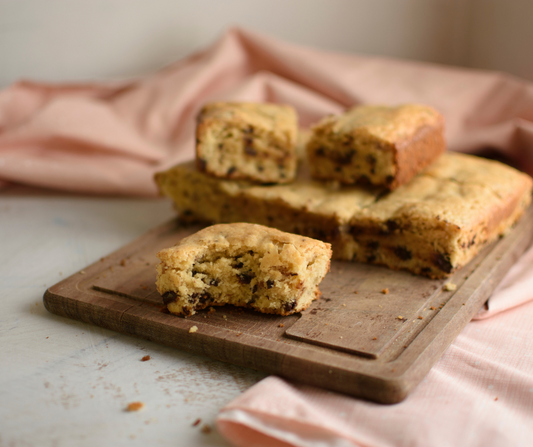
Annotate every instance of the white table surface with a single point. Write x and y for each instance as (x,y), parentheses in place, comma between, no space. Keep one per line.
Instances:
(66,383)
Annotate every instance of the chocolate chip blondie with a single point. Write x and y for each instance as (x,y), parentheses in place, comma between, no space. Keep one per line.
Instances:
(377,145)
(248,141)
(245,265)
(431,226)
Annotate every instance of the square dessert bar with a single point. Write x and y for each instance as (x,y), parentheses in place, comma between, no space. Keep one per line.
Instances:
(377,145)
(431,226)
(248,141)
(245,265)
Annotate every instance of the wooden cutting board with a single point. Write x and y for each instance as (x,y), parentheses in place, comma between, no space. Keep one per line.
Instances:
(357,339)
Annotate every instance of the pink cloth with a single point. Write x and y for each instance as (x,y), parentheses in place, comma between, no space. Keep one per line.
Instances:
(480,393)
(112,138)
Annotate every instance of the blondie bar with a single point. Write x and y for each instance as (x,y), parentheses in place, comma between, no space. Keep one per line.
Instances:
(248,141)
(245,265)
(377,145)
(431,226)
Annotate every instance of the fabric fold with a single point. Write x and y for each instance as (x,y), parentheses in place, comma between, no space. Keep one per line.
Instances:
(149,122)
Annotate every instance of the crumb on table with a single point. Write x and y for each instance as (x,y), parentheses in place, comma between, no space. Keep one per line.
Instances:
(449,287)
(135,406)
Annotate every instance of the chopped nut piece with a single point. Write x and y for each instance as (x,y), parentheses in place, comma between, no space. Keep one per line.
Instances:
(400,317)
(193,329)
(145,358)
(135,406)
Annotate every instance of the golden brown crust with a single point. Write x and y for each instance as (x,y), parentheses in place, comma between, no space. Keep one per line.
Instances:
(247,141)
(245,265)
(378,145)
(431,226)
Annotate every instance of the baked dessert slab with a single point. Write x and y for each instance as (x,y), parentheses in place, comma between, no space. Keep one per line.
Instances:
(249,141)
(432,226)
(378,145)
(244,265)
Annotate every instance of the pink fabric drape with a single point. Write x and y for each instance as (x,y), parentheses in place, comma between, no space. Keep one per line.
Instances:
(111,138)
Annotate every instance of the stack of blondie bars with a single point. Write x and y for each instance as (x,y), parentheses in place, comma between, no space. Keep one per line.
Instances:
(375,182)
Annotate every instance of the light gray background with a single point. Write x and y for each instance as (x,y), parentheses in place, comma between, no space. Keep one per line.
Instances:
(59,40)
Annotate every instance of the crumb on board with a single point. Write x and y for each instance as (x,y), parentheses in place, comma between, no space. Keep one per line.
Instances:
(145,358)
(355,291)
(375,338)
(399,317)
(281,325)
(82,272)
(420,317)
(344,304)
(123,263)
(212,309)
(196,422)
(135,406)
(449,287)
(193,329)
(225,317)
(206,429)
(432,308)
(385,291)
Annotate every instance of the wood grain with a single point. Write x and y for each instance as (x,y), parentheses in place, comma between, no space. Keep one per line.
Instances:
(353,343)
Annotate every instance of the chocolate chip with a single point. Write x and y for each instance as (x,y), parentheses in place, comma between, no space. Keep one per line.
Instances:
(289,306)
(425,269)
(344,158)
(231,170)
(473,241)
(270,284)
(371,160)
(254,288)
(442,261)
(248,146)
(220,145)
(239,265)
(363,180)
(389,179)
(321,152)
(249,129)
(169,297)
(372,245)
(195,272)
(371,258)
(214,282)
(251,252)
(403,253)
(201,297)
(392,225)
(260,168)
(245,278)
